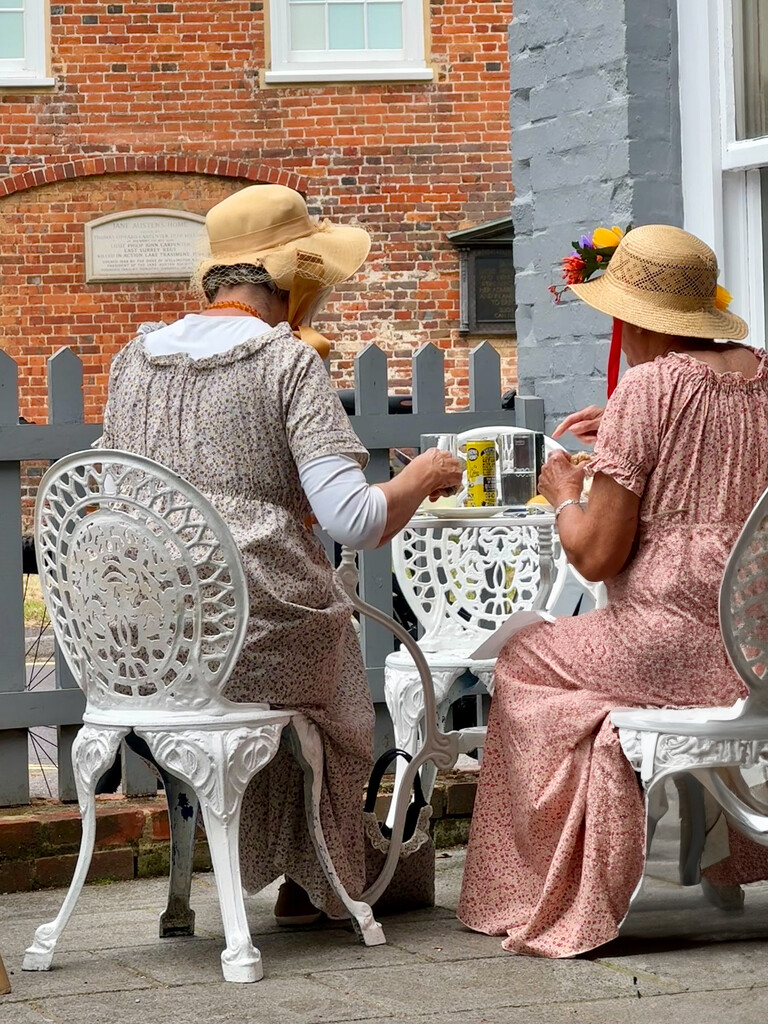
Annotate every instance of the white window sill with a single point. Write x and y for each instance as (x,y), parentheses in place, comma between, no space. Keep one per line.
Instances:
(25,83)
(339,74)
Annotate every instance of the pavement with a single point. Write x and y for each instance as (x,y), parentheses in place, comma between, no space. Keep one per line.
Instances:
(678,960)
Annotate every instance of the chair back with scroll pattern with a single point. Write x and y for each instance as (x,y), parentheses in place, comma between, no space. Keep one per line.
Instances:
(143,582)
(744,607)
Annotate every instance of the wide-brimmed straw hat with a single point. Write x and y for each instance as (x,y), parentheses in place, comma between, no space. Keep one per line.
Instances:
(664,279)
(270,227)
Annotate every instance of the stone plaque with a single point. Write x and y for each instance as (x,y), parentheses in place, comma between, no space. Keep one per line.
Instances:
(143,245)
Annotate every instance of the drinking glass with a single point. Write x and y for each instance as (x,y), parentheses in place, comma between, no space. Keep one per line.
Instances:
(443,442)
(517,466)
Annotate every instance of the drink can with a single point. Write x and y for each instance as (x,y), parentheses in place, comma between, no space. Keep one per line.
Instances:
(481,473)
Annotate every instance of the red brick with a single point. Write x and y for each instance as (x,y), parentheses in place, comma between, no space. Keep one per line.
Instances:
(460,798)
(17,876)
(161,826)
(63,831)
(17,835)
(118,864)
(119,827)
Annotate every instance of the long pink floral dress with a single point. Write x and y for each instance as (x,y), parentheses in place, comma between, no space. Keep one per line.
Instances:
(558,831)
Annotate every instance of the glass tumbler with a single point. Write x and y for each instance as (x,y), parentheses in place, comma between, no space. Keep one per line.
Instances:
(443,442)
(517,468)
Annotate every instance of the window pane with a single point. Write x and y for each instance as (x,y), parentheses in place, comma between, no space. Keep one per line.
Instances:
(11,35)
(307,26)
(14,5)
(345,27)
(385,26)
(752,111)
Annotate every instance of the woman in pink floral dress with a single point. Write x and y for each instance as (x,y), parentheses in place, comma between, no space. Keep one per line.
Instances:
(558,832)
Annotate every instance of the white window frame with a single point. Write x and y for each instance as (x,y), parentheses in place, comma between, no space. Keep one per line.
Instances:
(408,64)
(33,67)
(721,174)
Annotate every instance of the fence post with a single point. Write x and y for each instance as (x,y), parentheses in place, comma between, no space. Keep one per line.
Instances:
(529,412)
(65,405)
(14,755)
(428,375)
(484,378)
(375,566)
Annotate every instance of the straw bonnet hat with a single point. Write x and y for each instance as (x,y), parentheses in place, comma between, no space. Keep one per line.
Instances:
(269,226)
(664,279)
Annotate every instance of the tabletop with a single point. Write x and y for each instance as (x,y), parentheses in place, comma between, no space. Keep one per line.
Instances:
(507,517)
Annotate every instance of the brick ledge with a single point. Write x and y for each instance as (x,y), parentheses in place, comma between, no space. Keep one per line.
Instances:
(39,843)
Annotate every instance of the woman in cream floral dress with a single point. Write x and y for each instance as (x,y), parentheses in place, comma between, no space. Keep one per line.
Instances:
(236,399)
(558,832)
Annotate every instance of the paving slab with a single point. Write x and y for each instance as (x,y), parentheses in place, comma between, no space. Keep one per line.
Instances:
(19,1013)
(718,1008)
(80,974)
(678,959)
(186,961)
(491,983)
(271,1001)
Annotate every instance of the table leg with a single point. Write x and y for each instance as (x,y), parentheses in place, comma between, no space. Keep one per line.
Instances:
(546,567)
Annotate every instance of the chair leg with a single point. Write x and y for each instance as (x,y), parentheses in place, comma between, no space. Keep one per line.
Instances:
(656,806)
(693,827)
(218,765)
(405,703)
(93,751)
(304,739)
(179,918)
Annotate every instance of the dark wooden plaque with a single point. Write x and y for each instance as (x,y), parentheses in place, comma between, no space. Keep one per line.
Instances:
(494,288)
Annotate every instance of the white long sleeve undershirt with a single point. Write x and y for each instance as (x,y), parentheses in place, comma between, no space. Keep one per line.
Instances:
(352,511)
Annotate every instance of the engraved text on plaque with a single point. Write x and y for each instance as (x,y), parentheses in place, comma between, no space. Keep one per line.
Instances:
(143,245)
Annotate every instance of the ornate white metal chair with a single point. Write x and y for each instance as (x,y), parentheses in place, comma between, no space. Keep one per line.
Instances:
(714,747)
(461,585)
(148,599)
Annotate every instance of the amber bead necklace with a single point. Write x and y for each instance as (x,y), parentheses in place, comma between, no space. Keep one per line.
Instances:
(237,305)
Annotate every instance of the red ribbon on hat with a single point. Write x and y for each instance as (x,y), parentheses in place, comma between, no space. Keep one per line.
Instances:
(614,356)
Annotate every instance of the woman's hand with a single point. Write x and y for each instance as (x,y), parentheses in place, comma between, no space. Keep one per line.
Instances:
(583,424)
(560,479)
(441,472)
(434,473)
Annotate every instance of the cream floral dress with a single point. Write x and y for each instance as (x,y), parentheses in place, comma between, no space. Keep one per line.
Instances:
(558,831)
(238,425)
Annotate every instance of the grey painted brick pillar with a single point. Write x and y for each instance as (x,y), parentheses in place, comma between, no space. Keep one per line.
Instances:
(595,141)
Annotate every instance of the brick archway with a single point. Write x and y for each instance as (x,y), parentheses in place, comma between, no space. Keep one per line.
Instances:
(83,167)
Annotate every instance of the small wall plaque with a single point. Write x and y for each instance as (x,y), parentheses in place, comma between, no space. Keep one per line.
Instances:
(486,278)
(143,245)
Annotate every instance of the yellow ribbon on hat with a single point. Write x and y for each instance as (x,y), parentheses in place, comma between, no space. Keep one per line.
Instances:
(301,295)
(315,339)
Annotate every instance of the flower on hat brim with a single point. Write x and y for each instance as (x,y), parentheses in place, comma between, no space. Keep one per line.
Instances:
(607,238)
(589,257)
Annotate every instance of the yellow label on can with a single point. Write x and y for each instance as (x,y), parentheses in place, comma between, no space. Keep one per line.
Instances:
(481,473)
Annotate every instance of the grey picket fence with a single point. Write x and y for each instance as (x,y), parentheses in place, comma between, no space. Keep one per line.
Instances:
(61,708)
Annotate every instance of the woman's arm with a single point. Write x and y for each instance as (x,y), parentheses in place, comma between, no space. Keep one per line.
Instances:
(597,539)
(362,515)
(431,474)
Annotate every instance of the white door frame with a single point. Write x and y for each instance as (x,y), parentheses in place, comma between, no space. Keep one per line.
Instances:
(720,175)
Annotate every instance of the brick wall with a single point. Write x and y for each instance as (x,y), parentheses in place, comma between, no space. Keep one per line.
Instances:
(595,140)
(159,104)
